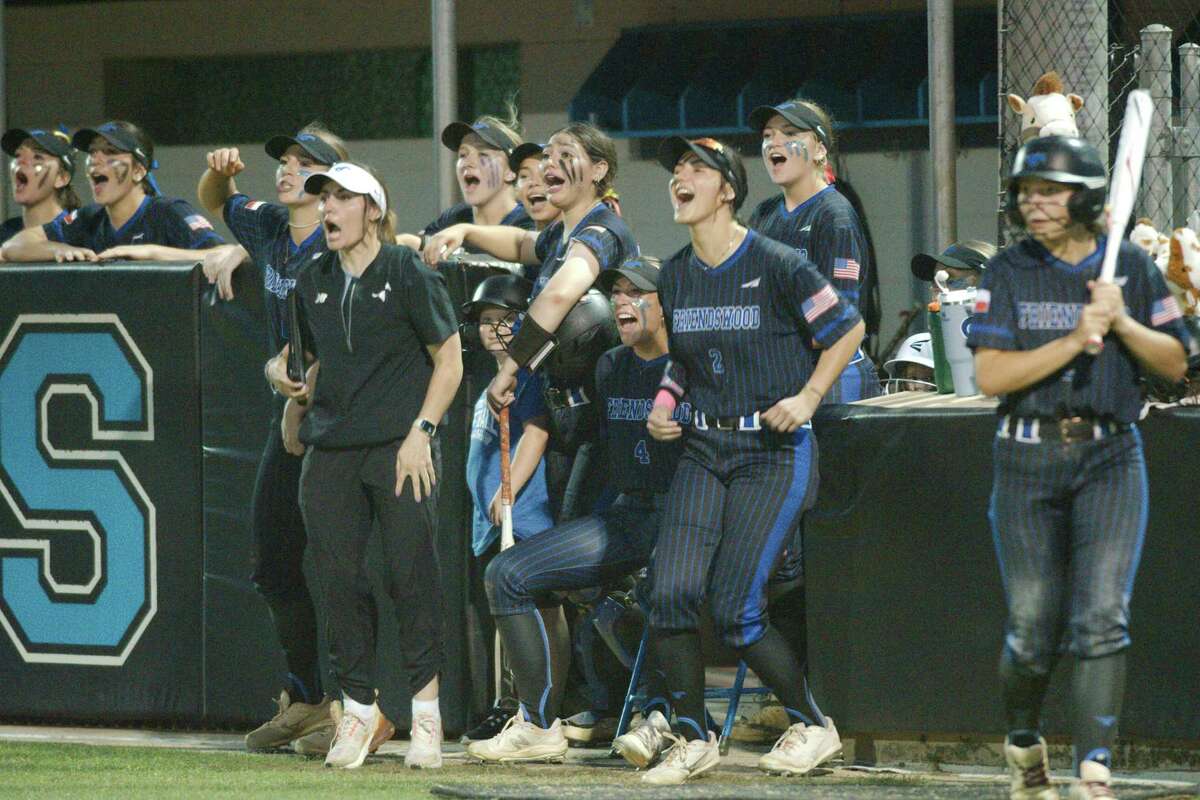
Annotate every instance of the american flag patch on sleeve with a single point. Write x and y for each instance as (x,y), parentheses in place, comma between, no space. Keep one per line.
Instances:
(819,303)
(1164,311)
(845,269)
(983,301)
(254,205)
(198,222)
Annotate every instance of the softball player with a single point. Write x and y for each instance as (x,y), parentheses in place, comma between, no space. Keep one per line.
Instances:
(813,217)
(740,310)
(1069,497)
(280,238)
(130,219)
(389,363)
(593,549)
(41,169)
(579,164)
(526,163)
(485,179)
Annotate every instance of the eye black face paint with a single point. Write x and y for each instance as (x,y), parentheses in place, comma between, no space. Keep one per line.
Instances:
(121,171)
(42,173)
(799,149)
(571,169)
(491,170)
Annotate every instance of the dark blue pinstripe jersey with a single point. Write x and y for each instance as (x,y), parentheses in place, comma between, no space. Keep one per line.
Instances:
(740,330)
(825,230)
(461,212)
(262,228)
(625,387)
(166,221)
(1030,298)
(601,230)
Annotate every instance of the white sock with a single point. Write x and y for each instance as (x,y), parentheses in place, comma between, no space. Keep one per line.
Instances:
(430,708)
(364,712)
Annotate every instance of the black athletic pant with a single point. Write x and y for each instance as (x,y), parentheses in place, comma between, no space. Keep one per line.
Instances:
(279,541)
(343,492)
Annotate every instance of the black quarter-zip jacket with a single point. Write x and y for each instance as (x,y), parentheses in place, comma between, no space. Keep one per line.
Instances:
(370,338)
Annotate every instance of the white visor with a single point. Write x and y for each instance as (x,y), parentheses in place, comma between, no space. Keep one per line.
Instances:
(350,177)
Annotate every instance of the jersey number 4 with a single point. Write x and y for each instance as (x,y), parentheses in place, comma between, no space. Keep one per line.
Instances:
(641,452)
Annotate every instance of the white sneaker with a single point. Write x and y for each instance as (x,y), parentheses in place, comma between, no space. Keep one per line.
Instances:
(1030,770)
(1093,782)
(684,760)
(352,740)
(802,748)
(642,745)
(425,743)
(521,740)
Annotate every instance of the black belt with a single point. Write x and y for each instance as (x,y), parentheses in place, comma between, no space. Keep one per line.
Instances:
(557,398)
(1068,430)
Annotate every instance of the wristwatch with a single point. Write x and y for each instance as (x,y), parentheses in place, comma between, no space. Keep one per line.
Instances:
(426,427)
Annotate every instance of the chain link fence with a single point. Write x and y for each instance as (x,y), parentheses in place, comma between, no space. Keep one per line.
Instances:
(1102,50)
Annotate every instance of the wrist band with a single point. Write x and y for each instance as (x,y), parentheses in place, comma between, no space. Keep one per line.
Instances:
(531,344)
(666,398)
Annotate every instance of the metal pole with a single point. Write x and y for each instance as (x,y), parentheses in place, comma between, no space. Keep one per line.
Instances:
(1155,76)
(445,97)
(1188,140)
(943,144)
(5,195)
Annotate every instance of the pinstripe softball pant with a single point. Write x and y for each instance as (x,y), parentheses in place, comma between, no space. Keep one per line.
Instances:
(736,498)
(1068,522)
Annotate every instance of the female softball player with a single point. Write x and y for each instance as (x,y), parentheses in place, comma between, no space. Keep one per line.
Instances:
(813,217)
(485,178)
(1069,496)
(740,310)
(41,169)
(280,238)
(526,162)
(579,165)
(130,219)
(389,362)
(592,549)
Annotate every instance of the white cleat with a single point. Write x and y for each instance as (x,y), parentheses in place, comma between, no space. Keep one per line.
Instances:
(642,745)
(352,740)
(425,743)
(521,740)
(802,748)
(1093,782)
(1030,771)
(684,760)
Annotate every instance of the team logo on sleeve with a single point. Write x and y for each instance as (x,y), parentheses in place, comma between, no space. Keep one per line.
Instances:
(983,301)
(1164,311)
(197,222)
(819,303)
(69,218)
(254,205)
(845,269)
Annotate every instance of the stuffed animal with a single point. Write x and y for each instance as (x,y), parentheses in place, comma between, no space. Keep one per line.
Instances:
(1158,246)
(1183,269)
(1047,112)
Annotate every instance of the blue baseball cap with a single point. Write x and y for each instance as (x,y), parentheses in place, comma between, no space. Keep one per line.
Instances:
(455,132)
(798,114)
(316,147)
(55,143)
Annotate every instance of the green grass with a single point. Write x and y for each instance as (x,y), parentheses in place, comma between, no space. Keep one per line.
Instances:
(89,772)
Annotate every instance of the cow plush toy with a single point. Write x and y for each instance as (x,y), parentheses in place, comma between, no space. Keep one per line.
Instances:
(1047,112)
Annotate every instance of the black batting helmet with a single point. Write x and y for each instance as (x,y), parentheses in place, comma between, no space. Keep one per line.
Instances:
(501,291)
(1062,159)
(585,334)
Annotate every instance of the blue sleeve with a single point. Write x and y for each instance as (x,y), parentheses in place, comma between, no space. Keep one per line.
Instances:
(839,250)
(1155,306)
(813,301)
(994,322)
(70,228)
(530,404)
(603,243)
(185,227)
(252,223)
(544,245)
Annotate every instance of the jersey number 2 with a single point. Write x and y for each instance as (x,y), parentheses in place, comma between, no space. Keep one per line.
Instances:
(718,363)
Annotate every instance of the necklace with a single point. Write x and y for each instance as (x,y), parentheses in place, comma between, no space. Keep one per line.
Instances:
(305,225)
(730,248)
